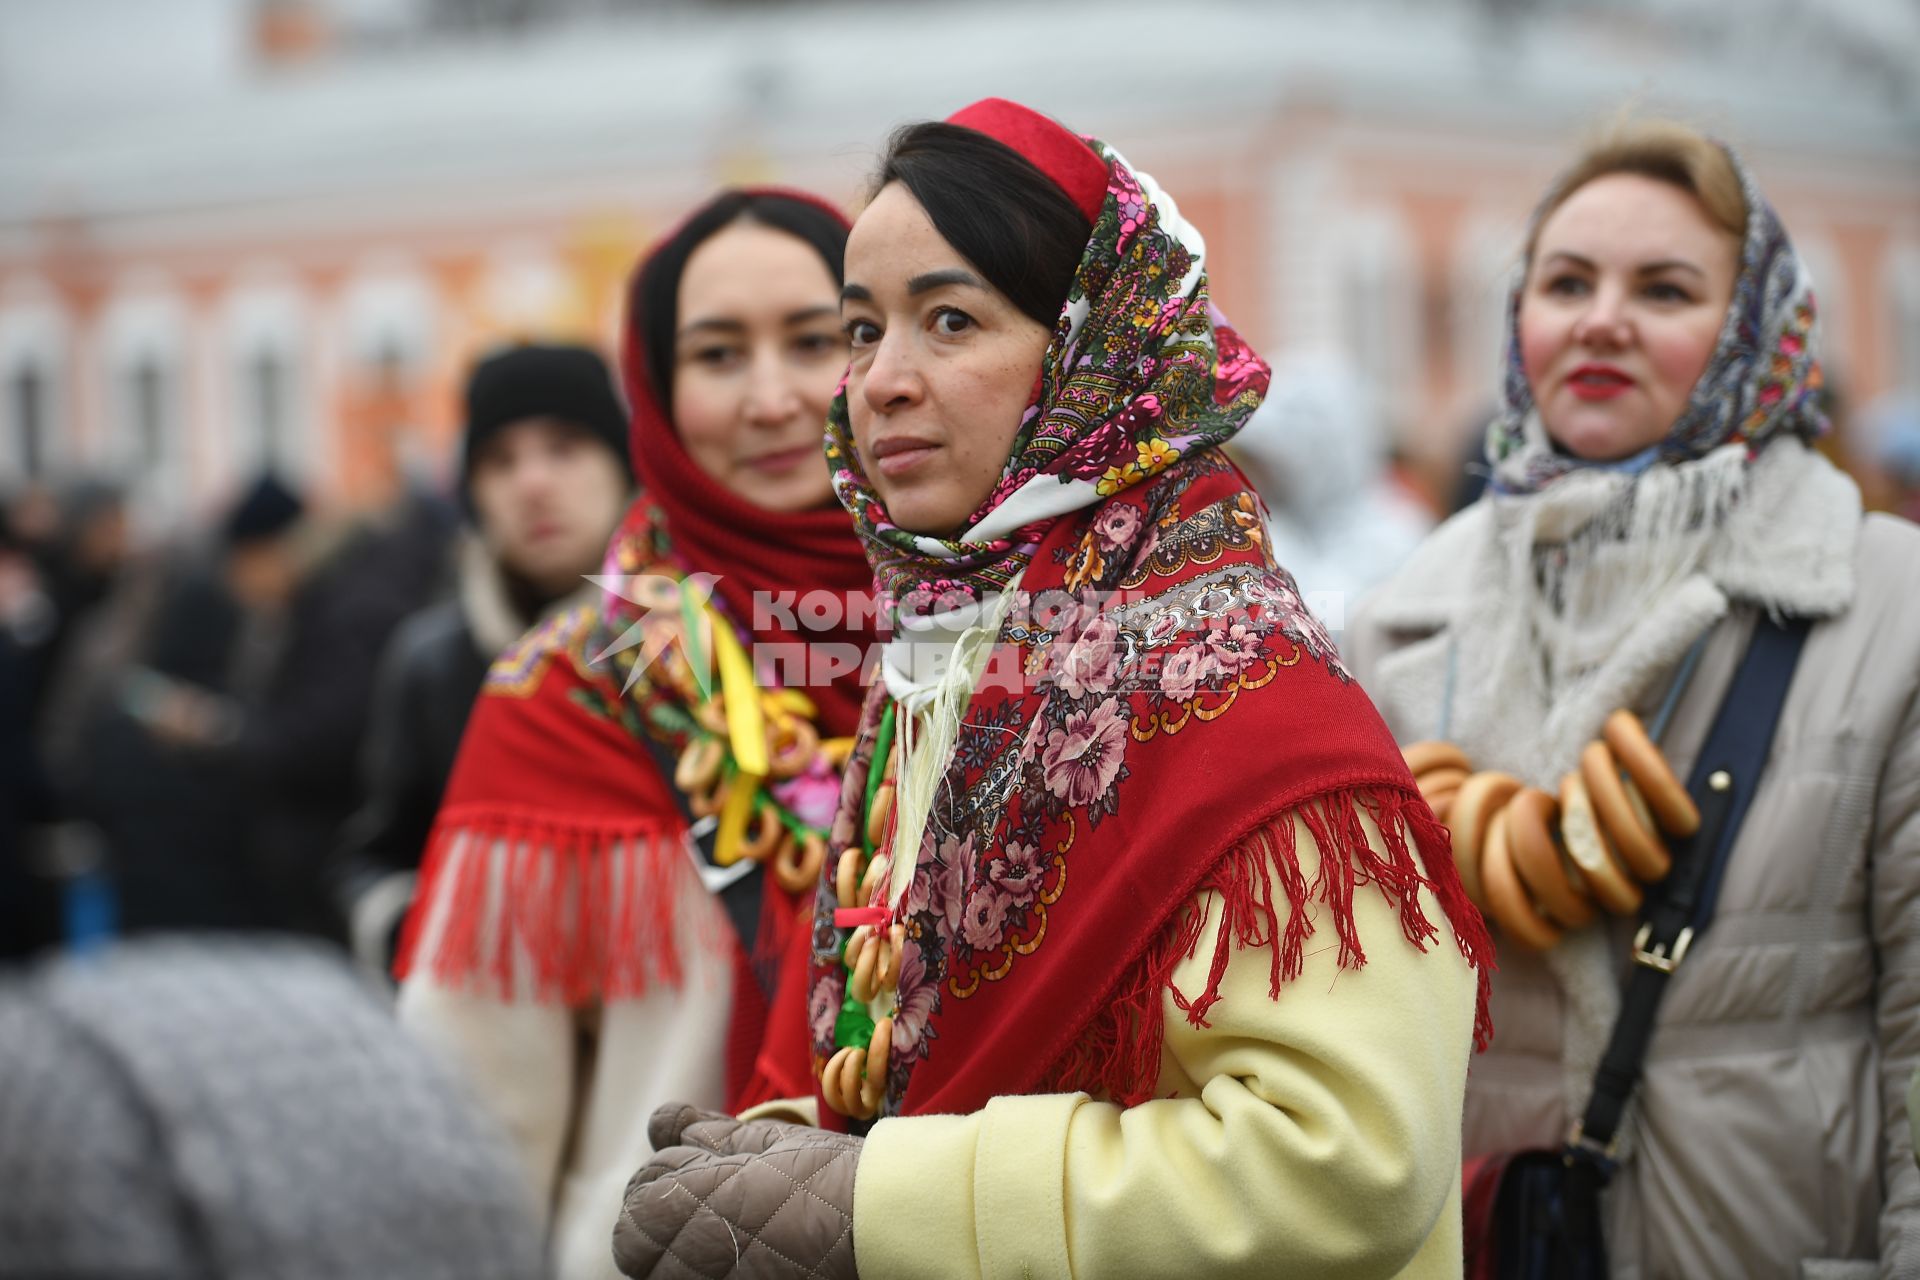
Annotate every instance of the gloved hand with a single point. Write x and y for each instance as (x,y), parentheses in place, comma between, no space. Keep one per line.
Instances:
(727,1200)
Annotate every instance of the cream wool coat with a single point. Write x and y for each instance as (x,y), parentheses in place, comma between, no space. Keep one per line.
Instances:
(1769,1136)
(1312,1135)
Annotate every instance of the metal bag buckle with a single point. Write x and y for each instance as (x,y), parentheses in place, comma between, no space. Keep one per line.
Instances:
(1658,957)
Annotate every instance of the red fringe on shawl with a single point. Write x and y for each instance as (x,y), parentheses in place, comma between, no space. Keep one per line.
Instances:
(593,905)
(1118,1055)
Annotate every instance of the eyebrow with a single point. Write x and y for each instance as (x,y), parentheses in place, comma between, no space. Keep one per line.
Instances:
(724,325)
(1647,268)
(923,283)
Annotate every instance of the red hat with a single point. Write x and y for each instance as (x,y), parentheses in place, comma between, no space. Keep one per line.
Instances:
(1057,152)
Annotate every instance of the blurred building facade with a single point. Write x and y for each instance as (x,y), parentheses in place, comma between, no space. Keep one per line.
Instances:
(238,234)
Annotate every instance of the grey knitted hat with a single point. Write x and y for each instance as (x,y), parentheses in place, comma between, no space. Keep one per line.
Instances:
(239,1108)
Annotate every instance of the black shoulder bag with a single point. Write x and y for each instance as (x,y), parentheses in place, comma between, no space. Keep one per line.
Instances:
(1546,1216)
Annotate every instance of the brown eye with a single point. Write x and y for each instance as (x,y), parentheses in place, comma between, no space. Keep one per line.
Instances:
(715,357)
(818,344)
(862,333)
(951,322)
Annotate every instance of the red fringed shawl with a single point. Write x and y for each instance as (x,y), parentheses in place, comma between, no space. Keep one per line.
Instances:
(596,864)
(1156,743)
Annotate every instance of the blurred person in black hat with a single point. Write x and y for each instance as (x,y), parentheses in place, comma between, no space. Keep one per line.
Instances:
(544,478)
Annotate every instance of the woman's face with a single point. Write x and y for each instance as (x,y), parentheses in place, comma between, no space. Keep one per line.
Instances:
(756,361)
(943,367)
(1623,303)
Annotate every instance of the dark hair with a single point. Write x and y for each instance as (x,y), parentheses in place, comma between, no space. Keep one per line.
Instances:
(995,207)
(656,299)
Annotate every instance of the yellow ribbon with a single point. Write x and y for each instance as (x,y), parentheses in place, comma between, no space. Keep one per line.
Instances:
(747,732)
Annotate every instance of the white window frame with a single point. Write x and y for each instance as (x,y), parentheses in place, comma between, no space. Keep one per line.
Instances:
(269,319)
(36,334)
(148,325)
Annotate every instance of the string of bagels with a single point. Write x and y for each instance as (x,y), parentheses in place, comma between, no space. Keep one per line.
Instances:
(1539,864)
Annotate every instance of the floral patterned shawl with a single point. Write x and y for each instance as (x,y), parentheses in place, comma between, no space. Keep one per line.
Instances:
(1148,618)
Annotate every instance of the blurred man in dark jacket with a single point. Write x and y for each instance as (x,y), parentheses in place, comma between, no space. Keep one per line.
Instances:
(545,480)
(29,909)
(227,759)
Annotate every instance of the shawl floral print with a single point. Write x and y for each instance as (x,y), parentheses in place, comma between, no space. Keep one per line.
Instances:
(1102,778)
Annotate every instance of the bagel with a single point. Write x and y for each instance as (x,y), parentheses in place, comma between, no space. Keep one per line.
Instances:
(1480,797)
(871,880)
(797,863)
(862,1093)
(879,815)
(1507,899)
(863,957)
(1622,814)
(765,837)
(859,1100)
(1444,792)
(1440,781)
(699,764)
(704,802)
(1442,805)
(886,974)
(1587,844)
(794,745)
(1424,757)
(846,878)
(1542,867)
(830,1082)
(879,1051)
(1672,807)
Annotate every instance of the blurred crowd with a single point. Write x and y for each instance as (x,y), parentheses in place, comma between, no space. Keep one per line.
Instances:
(187,719)
(187,723)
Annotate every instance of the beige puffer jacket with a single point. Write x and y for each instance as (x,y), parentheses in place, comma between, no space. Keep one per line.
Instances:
(1769,1136)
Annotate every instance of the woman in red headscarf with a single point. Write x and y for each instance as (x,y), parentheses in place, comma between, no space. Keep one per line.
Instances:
(630,838)
(1140,953)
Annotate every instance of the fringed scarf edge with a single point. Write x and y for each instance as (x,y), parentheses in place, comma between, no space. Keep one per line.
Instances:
(1117,1054)
(591,905)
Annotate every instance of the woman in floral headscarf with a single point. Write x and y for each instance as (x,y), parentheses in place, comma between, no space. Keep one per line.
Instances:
(1653,495)
(1139,954)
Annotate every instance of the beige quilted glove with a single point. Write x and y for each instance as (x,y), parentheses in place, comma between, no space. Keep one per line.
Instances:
(753,1201)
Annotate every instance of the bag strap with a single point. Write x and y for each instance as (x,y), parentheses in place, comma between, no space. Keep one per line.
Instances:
(740,887)
(1723,783)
